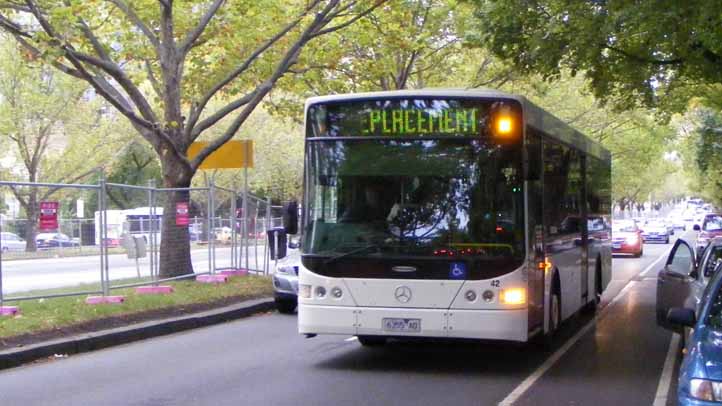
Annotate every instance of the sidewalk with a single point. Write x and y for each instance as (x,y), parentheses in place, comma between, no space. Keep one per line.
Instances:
(135,332)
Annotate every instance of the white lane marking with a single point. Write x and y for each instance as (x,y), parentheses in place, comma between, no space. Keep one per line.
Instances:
(512,397)
(665,254)
(660,399)
(354,338)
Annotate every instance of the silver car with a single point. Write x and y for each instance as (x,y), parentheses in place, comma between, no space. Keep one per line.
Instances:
(11,242)
(285,282)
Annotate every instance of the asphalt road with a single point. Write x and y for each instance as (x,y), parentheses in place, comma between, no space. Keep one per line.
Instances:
(615,358)
(32,274)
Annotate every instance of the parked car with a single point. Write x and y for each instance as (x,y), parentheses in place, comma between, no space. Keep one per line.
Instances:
(700,374)
(685,276)
(11,242)
(285,282)
(627,238)
(655,230)
(223,234)
(55,240)
(711,227)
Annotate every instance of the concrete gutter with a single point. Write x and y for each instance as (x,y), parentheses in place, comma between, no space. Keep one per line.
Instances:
(135,332)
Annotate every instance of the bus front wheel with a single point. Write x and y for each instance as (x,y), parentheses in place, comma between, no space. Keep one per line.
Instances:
(555,313)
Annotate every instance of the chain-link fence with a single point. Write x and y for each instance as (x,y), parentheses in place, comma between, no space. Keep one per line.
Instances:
(108,236)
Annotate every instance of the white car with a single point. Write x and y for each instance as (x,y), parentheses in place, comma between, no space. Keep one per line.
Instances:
(11,242)
(655,230)
(676,221)
(285,282)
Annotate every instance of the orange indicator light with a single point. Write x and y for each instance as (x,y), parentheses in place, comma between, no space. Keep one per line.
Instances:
(515,296)
(504,125)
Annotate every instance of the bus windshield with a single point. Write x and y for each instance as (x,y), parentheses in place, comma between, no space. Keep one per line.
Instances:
(375,205)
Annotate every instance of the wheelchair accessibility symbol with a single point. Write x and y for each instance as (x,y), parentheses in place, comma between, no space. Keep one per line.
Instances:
(457,270)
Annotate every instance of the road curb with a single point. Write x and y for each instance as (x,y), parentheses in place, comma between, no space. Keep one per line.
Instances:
(135,332)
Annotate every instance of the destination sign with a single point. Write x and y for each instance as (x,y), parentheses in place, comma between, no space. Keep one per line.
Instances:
(423,117)
(417,122)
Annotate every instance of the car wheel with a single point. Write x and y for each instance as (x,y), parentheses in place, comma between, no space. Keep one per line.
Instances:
(372,341)
(285,306)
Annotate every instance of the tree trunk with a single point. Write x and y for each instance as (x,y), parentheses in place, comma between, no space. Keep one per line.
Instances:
(175,253)
(32,210)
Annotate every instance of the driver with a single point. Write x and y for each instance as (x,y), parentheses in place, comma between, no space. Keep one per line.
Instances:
(368,208)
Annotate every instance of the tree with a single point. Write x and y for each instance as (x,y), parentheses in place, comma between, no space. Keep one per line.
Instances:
(160,63)
(406,44)
(136,165)
(701,150)
(633,53)
(53,133)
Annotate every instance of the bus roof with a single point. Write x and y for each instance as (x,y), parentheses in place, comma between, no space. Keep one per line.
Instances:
(535,116)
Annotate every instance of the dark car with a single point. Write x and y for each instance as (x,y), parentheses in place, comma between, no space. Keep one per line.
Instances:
(700,374)
(55,240)
(685,277)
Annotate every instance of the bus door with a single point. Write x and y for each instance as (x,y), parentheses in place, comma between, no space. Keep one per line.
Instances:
(584,228)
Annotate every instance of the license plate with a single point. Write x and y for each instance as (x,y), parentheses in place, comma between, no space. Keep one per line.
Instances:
(617,245)
(402,325)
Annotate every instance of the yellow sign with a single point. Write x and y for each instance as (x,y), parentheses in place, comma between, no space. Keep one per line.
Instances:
(231,155)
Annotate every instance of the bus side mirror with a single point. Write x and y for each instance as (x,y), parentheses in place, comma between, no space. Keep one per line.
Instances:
(290,217)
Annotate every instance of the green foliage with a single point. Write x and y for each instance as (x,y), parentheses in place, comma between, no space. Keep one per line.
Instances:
(702,152)
(135,165)
(403,44)
(278,158)
(57,313)
(633,53)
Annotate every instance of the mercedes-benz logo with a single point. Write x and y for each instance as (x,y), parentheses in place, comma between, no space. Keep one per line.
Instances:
(403,294)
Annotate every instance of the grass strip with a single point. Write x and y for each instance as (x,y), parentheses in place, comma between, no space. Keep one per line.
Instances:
(62,314)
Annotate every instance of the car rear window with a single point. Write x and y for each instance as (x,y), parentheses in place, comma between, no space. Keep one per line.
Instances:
(713,223)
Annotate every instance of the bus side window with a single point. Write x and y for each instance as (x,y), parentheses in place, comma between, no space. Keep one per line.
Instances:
(533,157)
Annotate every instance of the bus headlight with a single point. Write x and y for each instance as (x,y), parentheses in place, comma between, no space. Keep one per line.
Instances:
(514,296)
(320,292)
(488,296)
(336,292)
(304,291)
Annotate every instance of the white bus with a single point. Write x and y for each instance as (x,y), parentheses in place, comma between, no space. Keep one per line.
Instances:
(137,221)
(458,214)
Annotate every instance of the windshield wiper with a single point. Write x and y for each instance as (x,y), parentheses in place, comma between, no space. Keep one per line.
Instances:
(345,254)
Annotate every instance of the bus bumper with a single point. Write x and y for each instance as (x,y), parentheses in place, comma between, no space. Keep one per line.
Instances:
(508,325)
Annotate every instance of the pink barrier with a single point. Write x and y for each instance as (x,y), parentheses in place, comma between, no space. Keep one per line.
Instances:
(234,272)
(93,300)
(153,290)
(212,278)
(9,310)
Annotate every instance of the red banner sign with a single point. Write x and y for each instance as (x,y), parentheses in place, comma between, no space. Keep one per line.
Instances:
(181,214)
(48,216)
